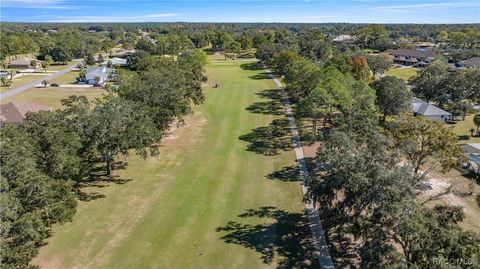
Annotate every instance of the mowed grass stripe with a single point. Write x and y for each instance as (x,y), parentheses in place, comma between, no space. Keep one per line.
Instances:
(202,180)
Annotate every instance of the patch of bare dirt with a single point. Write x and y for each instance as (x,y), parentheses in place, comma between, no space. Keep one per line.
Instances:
(455,190)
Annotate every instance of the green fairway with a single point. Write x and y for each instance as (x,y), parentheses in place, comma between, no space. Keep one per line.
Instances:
(210,200)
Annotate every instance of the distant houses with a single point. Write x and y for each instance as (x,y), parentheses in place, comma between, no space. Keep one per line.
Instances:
(470,63)
(24,63)
(429,111)
(344,38)
(115,62)
(411,57)
(15,112)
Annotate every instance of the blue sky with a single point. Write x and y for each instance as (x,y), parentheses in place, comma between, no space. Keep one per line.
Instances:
(360,11)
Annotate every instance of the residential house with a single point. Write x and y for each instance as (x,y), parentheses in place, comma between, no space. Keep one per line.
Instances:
(24,63)
(412,57)
(344,38)
(429,111)
(97,75)
(4,74)
(472,152)
(472,62)
(15,112)
(115,62)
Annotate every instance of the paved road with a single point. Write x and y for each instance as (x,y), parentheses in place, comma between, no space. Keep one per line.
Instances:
(30,85)
(321,246)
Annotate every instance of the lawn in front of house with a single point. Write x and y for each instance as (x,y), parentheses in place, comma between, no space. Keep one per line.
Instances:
(402,73)
(24,79)
(67,78)
(212,199)
(52,96)
(56,67)
(462,129)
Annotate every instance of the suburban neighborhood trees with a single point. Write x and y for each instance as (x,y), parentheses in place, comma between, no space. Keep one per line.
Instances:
(120,125)
(31,200)
(46,63)
(476,121)
(379,63)
(282,60)
(393,96)
(427,84)
(367,174)
(423,140)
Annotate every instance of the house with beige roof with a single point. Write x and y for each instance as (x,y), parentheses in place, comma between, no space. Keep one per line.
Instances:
(15,112)
(23,63)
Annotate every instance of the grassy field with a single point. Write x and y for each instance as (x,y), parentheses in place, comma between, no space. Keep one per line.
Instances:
(57,67)
(402,73)
(19,81)
(67,78)
(52,96)
(218,196)
(462,129)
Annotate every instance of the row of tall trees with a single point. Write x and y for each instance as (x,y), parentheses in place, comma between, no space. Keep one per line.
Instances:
(372,171)
(46,160)
(457,91)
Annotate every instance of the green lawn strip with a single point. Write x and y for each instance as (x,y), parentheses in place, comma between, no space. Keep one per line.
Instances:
(67,78)
(167,216)
(52,96)
(56,67)
(462,129)
(24,79)
(402,73)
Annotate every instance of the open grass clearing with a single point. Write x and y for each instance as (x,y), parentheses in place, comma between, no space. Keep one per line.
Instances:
(67,78)
(24,79)
(211,199)
(462,129)
(52,96)
(57,66)
(402,73)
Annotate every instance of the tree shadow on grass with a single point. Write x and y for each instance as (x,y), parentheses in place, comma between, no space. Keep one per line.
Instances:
(273,106)
(287,173)
(291,173)
(287,240)
(98,179)
(269,140)
(268,108)
(263,75)
(252,66)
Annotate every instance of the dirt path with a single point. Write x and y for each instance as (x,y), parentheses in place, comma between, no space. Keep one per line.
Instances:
(321,246)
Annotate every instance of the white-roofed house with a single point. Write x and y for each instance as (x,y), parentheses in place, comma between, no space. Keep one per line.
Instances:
(344,38)
(115,62)
(429,111)
(97,75)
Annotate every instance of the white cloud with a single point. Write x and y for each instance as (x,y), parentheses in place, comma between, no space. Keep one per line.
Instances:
(426,7)
(38,4)
(138,18)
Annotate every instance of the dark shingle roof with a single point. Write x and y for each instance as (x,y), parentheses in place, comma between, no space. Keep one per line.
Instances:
(423,108)
(412,53)
(475,61)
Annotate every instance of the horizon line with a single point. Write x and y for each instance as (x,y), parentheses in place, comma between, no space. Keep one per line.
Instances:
(234,22)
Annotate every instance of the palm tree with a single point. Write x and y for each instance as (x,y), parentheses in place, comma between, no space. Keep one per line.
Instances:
(476,121)
(33,63)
